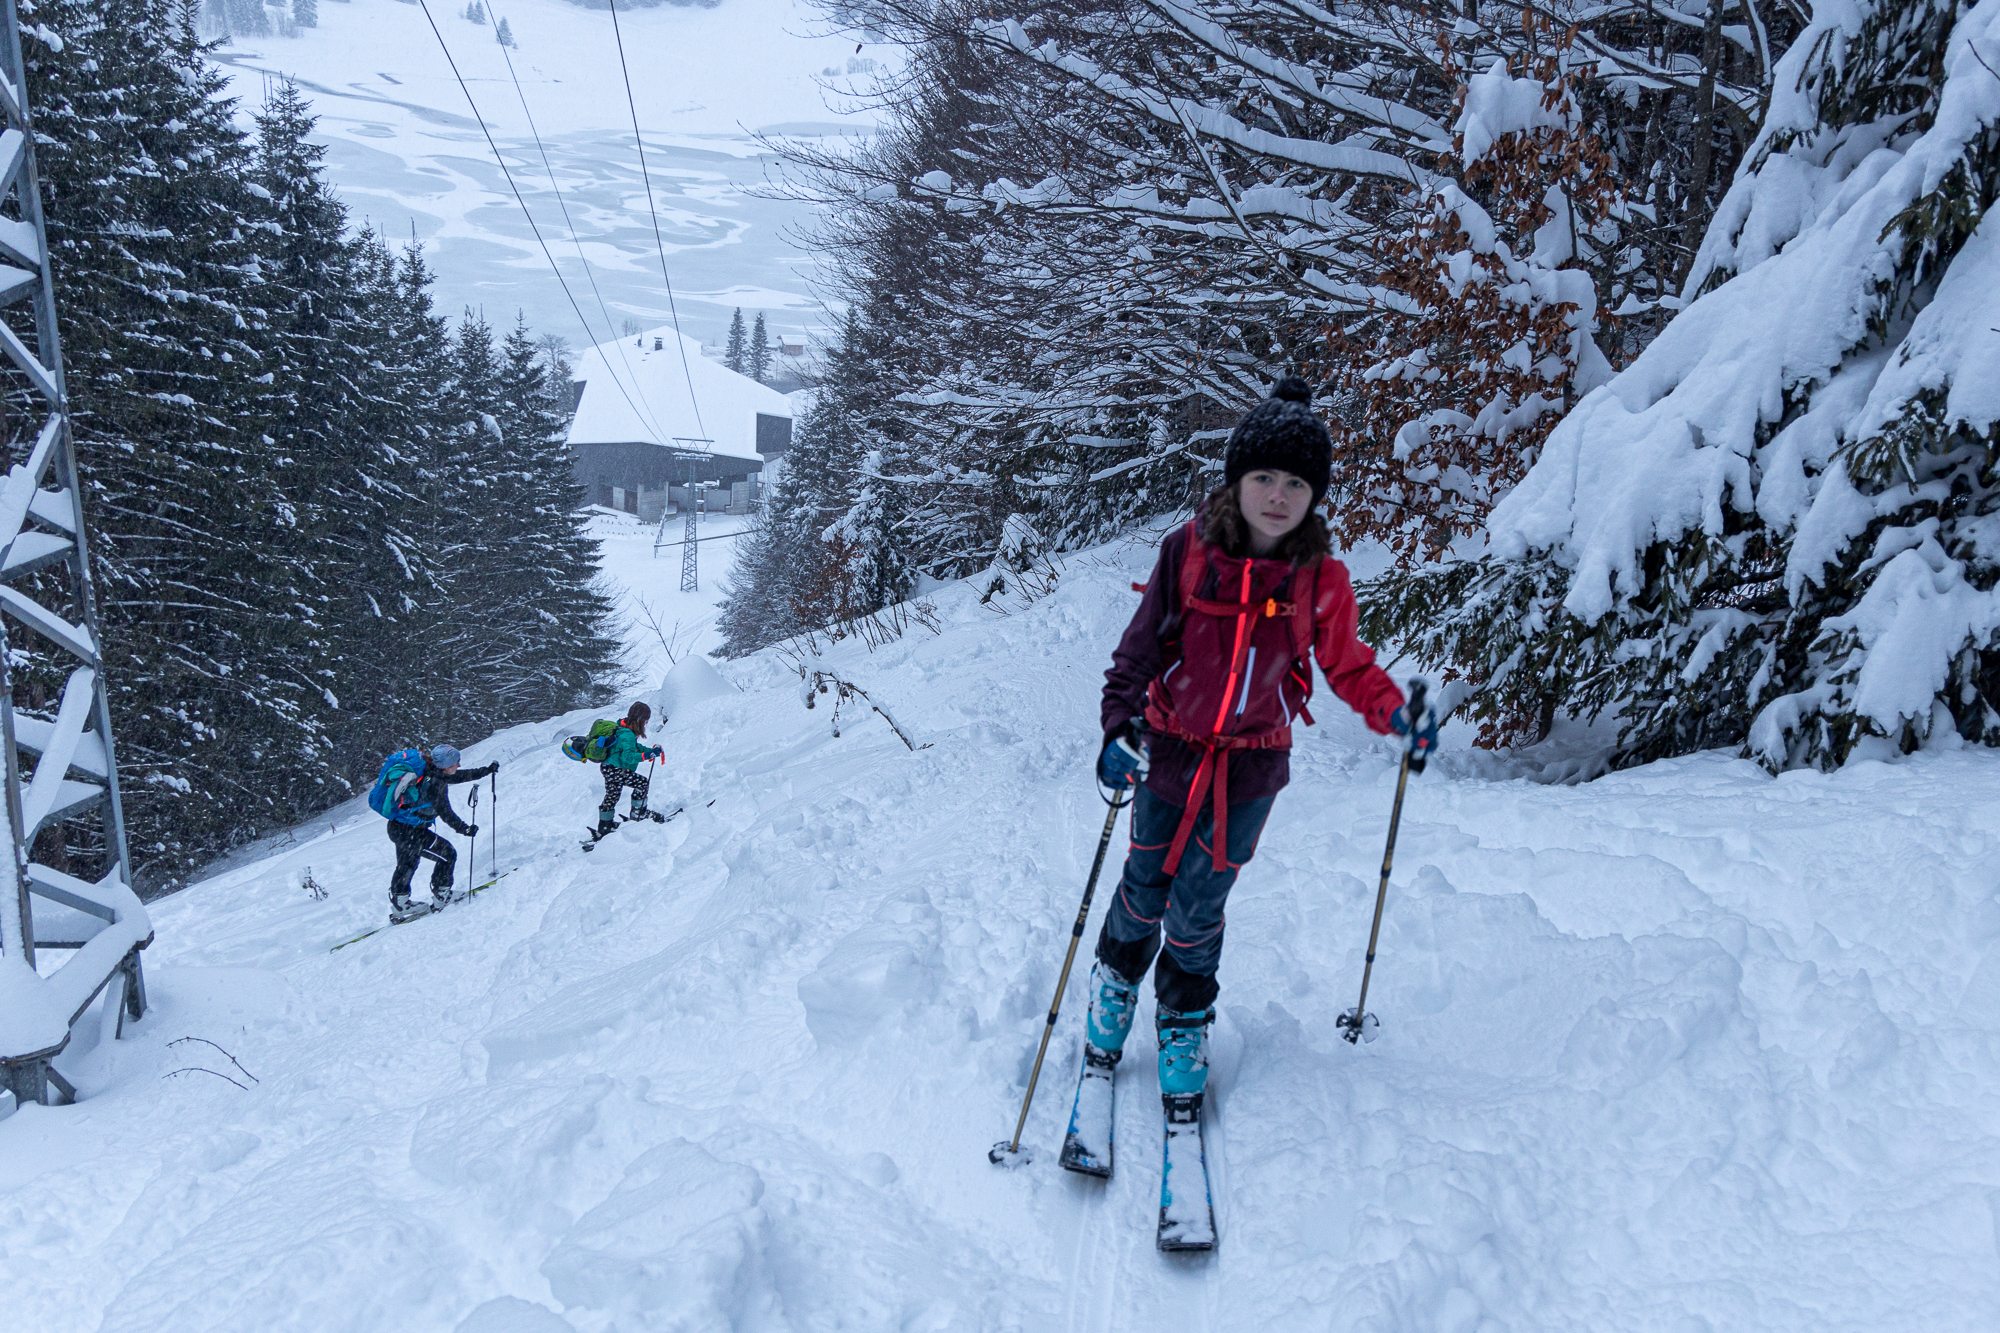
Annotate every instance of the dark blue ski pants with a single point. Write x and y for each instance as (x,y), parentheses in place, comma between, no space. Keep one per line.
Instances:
(414,843)
(1183,911)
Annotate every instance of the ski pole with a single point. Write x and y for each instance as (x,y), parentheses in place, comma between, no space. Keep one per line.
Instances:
(493,813)
(1008,1153)
(472,843)
(1357,1024)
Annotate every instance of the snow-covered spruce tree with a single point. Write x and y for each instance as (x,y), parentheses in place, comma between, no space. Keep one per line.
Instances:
(520,632)
(504,34)
(209,627)
(541,559)
(1446,389)
(1772,530)
(305,13)
(348,466)
(475,647)
(733,353)
(759,352)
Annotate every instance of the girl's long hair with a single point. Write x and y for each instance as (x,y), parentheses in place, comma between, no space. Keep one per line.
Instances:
(640,715)
(1223,525)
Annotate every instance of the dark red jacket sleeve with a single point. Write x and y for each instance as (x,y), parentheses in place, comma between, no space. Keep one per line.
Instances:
(1348,663)
(1139,655)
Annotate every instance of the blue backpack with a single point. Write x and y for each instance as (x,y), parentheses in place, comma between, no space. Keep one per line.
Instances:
(389,796)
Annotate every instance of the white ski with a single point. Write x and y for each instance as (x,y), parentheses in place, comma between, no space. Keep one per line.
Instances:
(1187,1210)
(1087,1146)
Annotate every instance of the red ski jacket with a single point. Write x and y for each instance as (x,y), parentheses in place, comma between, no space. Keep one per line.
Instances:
(1220,683)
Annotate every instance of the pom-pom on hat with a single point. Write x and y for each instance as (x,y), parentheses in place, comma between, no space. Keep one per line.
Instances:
(1283,433)
(445,756)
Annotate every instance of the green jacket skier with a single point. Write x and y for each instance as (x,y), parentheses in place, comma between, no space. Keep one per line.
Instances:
(623,750)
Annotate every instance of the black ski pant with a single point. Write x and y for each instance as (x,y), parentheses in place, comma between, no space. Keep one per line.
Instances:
(416,842)
(616,780)
(1184,909)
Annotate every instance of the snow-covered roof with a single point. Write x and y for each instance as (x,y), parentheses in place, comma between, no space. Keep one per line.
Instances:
(636,394)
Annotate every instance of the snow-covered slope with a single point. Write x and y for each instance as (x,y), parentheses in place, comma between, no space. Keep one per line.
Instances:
(408,156)
(1683,1048)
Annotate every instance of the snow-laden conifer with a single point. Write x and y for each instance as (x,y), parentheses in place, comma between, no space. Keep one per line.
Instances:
(759,351)
(1772,530)
(733,354)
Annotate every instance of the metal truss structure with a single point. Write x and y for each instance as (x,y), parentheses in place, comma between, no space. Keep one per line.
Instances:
(690,572)
(688,449)
(61,768)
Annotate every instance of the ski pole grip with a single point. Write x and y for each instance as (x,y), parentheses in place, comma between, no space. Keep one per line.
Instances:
(1418,689)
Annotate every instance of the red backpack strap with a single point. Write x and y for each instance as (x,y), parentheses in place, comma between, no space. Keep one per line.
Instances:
(1194,566)
(1305,605)
(1305,601)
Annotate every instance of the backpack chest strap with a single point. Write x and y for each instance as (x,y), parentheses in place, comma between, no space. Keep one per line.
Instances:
(1269,608)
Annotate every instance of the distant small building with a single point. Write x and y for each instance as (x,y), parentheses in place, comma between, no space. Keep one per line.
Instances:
(633,405)
(792,344)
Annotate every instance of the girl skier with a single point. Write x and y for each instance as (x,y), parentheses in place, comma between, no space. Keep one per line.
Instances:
(1198,706)
(622,753)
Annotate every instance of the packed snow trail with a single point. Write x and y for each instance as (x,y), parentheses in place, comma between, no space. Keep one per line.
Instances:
(1683,1048)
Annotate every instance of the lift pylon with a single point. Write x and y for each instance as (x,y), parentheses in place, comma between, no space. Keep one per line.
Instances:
(60,767)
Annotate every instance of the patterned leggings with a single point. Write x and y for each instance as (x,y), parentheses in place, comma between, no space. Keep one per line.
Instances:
(617,780)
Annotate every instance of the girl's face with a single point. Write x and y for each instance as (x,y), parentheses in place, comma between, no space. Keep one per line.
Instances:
(1273,503)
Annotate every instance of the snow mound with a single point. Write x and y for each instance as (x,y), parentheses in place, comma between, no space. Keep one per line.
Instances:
(1684,1029)
(693,680)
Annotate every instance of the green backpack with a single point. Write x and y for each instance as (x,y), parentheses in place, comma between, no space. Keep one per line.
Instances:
(590,749)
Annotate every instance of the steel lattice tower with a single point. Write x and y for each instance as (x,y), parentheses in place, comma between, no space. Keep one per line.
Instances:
(62,768)
(690,576)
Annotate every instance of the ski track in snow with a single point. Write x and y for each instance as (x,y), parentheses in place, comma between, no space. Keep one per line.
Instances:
(1683,1048)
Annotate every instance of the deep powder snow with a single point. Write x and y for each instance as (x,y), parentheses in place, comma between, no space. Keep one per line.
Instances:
(1683,1048)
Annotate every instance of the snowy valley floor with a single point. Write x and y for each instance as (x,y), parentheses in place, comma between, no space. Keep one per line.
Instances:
(1685,1048)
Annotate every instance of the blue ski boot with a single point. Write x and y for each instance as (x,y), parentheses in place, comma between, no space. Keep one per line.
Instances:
(1184,1053)
(1113,1000)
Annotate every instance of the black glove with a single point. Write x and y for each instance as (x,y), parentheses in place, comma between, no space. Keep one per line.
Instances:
(470,830)
(489,770)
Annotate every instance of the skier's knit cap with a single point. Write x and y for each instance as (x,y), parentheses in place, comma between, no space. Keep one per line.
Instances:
(1282,432)
(445,756)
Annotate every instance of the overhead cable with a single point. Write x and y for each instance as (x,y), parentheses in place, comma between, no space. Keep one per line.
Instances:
(652,419)
(497,157)
(658,243)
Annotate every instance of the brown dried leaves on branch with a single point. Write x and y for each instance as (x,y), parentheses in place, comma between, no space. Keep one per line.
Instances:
(1447,387)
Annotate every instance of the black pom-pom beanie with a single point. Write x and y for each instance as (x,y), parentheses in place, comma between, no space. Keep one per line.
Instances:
(1282,433)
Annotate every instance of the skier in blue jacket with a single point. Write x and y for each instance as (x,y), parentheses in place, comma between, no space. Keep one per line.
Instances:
(418,801)
(622,752)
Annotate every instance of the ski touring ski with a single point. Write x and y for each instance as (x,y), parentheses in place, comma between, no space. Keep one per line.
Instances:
(1087,1147)
(430,909)
(592,836)
(1187,1208)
